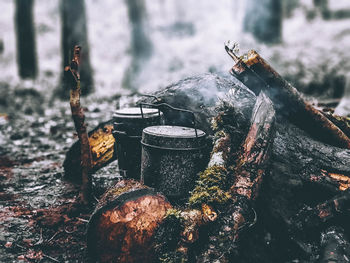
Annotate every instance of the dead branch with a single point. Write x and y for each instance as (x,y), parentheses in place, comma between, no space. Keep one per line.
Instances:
(72,79)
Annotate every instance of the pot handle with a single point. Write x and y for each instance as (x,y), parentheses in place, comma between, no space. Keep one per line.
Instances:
(160,105)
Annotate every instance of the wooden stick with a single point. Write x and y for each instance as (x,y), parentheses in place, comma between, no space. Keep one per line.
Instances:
(72,79)
(258,75)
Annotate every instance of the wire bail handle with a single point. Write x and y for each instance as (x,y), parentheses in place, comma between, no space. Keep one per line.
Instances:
(160,105)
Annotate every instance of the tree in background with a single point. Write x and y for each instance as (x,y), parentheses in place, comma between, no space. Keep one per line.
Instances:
(25,36)
(74,32)
(263,18)
(322,6)
(289,6)
(141,47)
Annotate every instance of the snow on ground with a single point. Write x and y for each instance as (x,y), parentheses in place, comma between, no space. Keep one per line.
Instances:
(187,38)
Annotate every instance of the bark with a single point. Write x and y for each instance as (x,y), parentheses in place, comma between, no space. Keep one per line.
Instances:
(263,18)
(335,246)
(74,32)
(250,170)
(123,224)
(258,75)
(25,36)
(72,79)
(102,149)
(313,217)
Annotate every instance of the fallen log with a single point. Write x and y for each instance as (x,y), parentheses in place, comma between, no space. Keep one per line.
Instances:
(303,169)
(123,224)
(313,217)
(251,167)
(335,246)
(258,75)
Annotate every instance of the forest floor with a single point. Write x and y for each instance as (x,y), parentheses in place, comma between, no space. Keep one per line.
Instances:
(39,219)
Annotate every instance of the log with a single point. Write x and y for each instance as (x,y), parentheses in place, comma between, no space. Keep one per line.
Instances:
(335,246)
(251,167)
(102,143)
(303,169)
(123,224)
(258,75)
(313,217)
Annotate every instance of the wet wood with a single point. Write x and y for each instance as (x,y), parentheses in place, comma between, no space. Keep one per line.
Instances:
(314,217)
(253,161)
(102,149)
(258,75)
(123,224)
(251,168)
(335,246)
(72,79)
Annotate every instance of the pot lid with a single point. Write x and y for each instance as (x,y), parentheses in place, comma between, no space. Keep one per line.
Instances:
(135,112)
(173,137)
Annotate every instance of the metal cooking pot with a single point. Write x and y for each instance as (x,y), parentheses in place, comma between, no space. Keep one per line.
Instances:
(128,126)
(171,158)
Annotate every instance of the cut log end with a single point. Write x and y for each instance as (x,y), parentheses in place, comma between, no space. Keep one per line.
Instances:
(122,227)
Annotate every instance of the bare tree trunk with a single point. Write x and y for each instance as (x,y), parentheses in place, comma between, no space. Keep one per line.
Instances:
(263,18)
(322,5)
(74,32)
(26,54)
(141,47)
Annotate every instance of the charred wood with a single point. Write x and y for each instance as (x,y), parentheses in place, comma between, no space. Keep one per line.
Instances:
(258,75)
(335,246)
(250,169)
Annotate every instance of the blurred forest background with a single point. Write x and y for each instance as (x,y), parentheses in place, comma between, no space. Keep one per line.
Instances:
(140,45)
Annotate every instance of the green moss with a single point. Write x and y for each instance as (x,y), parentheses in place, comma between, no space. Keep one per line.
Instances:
(210,188)
(173,257)
(168,236)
